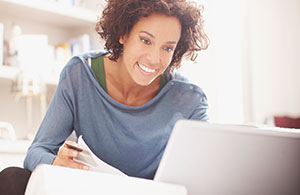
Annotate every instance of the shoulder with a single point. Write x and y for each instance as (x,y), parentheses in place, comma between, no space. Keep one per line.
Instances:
(192,96)
(177,75)
(92,54)
(83,58)
(79,63)
(182,85)
(185,97)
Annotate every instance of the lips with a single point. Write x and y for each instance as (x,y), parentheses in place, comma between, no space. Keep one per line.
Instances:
(146,69)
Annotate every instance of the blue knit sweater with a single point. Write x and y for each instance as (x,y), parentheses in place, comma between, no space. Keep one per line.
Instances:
(131,139)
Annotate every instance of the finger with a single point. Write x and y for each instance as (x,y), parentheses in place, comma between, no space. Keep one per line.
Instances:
(78,165)
(73,164)
(66,162)
(66,152)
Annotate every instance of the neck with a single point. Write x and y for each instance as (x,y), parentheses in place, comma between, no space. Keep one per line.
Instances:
(123,89)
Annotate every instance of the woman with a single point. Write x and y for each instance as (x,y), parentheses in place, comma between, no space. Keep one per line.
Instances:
(126,99)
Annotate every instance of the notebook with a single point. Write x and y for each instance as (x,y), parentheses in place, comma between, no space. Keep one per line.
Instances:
(231,159)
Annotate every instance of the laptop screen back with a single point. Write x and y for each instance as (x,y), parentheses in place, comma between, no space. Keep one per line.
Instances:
(231,159)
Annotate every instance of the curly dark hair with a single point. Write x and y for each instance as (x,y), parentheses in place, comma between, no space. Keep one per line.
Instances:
(119,17)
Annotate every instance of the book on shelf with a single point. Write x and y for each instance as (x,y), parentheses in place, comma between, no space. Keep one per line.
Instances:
(80,44)
(62,55)
(1,44)
(10,46)
(32,53)
(75,3)
(64,51)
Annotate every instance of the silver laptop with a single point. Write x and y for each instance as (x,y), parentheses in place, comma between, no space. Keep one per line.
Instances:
(232,159)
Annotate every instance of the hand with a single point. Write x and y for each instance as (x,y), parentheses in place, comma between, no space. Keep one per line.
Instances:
(65,157)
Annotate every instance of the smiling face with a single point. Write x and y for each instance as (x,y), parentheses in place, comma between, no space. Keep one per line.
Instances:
(149,47)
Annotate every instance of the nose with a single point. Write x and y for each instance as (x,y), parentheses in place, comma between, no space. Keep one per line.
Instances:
(153,56)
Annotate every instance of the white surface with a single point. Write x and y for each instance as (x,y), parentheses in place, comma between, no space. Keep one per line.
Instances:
(7,131)
(54,180)
(8,72)
(12,153)
(17,146)
(232,159)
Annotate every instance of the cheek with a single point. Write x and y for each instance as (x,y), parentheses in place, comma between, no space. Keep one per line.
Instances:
(133,51)
(128,53)
(167,60)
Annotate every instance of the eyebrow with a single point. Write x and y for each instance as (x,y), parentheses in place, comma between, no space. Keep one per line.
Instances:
(151,35)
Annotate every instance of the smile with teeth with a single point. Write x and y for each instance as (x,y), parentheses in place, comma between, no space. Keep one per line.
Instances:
(146,69)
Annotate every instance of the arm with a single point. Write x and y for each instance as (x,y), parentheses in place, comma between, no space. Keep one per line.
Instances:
(200,112)
(56,126)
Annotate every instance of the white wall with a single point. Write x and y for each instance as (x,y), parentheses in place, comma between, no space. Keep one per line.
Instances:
(218,70)
(250,71)
(274,44)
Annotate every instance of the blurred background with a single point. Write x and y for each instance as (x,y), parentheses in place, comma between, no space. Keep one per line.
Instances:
(250,72)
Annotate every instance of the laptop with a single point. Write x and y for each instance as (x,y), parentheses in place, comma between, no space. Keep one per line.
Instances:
(232,159)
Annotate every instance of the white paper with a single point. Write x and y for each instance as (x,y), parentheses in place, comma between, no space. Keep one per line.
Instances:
(96,164)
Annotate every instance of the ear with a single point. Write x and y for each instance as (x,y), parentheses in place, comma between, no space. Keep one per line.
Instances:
(123,39)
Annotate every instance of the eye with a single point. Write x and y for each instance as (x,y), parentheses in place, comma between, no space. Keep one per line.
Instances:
(168,49)
(145,41)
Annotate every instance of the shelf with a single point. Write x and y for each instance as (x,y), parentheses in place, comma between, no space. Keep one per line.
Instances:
(10,72)
(58,21)
(49,12)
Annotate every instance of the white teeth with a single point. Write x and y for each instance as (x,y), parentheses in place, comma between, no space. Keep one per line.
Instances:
(146,69)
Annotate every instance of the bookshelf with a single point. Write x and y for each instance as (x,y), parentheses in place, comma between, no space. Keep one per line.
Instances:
(61,23)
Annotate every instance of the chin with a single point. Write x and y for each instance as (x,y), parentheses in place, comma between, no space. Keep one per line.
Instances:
(144,83)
